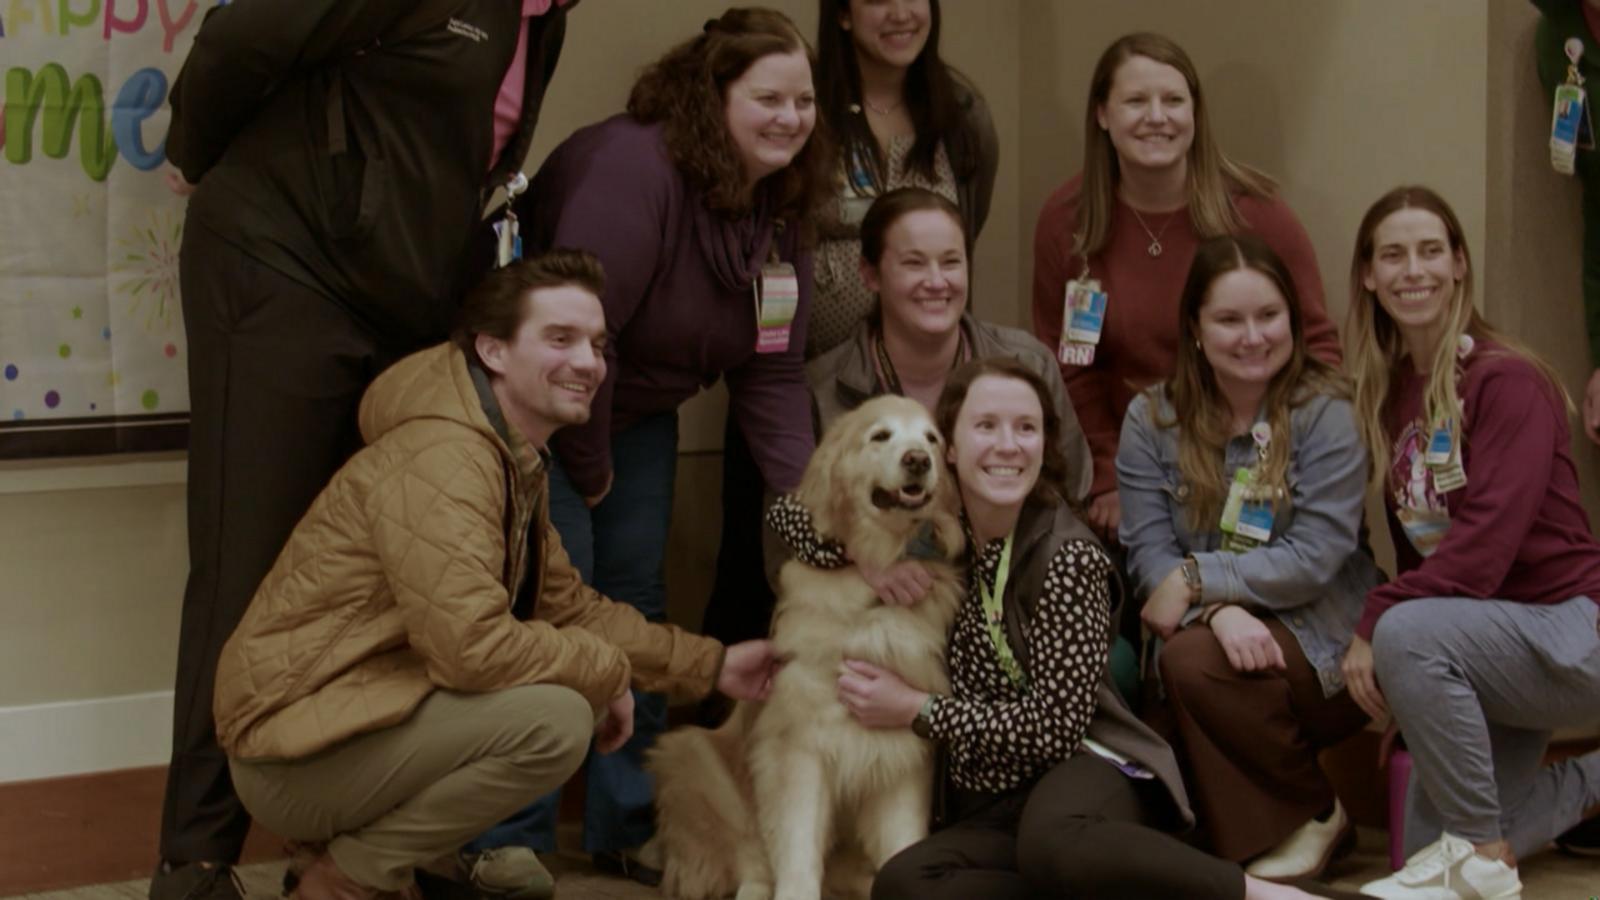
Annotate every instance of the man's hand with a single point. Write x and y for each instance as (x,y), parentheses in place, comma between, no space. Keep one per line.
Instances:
(1591,407)
(616,726)
(1247,642)
(1167,603)
(877,697)
(747,670)
(1105,515)
(176,183)
(901,584)
(1362,682)
(594,501)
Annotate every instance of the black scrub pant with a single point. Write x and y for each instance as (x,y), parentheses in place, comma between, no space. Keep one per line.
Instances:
(276,372)
(1084,830)
(741,602)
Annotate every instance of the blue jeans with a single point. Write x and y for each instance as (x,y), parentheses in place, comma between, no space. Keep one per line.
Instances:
(620,548)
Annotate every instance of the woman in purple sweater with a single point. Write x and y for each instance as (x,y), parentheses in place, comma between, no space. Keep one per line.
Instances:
(698,202)
(1486,640)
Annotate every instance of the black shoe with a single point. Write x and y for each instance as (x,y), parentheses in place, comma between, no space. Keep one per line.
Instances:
(195,881)
(626,864)
(1582,839)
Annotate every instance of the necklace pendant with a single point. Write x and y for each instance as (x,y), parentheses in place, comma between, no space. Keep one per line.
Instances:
(1154,249)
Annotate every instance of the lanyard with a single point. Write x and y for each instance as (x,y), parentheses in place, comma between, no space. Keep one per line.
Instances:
(994,618)
(891,380)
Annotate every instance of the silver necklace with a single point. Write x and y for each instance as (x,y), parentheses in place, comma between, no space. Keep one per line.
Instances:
(1155,236)
(882,110)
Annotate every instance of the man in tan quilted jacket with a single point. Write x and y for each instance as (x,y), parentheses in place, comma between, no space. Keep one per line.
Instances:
(420,663)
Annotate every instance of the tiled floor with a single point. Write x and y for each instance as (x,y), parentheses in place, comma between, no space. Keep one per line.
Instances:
(1548,876)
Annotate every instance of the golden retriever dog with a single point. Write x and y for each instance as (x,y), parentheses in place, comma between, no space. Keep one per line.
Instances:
(793,790)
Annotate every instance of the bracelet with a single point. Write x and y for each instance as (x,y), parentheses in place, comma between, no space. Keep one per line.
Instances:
(922,725)
(1191,579)
(1211,612)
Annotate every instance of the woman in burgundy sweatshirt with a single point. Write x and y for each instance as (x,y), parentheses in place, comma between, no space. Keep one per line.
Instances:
(1486,640)
(699,202)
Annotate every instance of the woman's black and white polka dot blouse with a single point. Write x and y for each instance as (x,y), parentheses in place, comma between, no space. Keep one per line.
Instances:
(1001,735)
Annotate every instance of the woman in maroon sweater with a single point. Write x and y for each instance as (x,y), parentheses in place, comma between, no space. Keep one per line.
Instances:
(1153,186)
(698,201)
(1486,641)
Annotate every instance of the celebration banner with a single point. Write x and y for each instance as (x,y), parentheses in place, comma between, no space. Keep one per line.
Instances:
(92,356)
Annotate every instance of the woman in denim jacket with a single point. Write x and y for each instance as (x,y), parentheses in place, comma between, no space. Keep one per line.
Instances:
(1242,483)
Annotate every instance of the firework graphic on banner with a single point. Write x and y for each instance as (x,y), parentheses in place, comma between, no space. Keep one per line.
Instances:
(148,264)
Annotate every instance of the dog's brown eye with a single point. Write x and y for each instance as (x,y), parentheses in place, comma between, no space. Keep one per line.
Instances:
(933,438)
(880,436)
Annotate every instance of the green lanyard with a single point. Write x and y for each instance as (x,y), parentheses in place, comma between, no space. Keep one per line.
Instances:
(995,619)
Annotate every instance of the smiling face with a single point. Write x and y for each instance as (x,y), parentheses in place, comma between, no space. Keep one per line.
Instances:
(545,376)
(888,33)
(771,111)
(1244,329)
(997,443)
(1414,273)
(921,277)
(1149,115)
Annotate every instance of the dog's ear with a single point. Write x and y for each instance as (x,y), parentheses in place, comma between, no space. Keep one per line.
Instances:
(816,491)
(947,517)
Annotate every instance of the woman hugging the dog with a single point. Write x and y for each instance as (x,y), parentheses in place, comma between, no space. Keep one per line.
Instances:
(1054,787)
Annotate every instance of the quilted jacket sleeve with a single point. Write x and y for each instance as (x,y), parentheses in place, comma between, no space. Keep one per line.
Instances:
(439,534)
(664,657)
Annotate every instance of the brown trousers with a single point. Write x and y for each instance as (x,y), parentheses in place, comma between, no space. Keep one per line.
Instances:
(1250,740)
(390,800)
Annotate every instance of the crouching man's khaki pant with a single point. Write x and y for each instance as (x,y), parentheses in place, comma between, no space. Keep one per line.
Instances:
(394,799)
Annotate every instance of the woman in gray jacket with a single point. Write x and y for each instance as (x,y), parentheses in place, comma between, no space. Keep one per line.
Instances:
(1242,483)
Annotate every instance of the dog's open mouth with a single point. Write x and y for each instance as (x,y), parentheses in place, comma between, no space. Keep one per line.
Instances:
(910,496)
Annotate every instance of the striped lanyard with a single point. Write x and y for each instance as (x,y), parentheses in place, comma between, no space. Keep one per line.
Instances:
(995,619)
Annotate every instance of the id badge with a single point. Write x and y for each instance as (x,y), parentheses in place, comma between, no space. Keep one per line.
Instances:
(508,243)
(1083,319)
(1246,522)
(1440,449)
(1424,528)
(853,208)
(1569,124)
(777,296)
(1255,521)
(1449,477)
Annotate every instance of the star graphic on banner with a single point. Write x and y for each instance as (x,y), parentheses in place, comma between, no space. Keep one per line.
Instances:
(77,312)
(81,205)
(113,379)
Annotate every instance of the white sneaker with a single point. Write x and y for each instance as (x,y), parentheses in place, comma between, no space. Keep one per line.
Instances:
(1306,851)
(1448,869)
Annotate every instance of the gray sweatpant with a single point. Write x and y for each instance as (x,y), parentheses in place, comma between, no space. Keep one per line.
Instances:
(1477,687)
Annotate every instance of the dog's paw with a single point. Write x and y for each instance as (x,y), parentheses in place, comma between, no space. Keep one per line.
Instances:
(750,891)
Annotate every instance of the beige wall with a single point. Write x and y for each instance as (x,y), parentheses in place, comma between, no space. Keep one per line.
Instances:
(90,583)
(1531,285)
(1339,99)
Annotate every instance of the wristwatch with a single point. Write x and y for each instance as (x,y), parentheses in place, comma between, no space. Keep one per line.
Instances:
(1191,578)
(922,725)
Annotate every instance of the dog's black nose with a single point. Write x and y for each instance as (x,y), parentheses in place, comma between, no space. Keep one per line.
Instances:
(916,462)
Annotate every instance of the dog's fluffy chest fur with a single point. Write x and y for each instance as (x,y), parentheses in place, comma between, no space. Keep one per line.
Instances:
(827,616)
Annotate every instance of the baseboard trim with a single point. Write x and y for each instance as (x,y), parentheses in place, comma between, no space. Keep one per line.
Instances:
(51,740)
